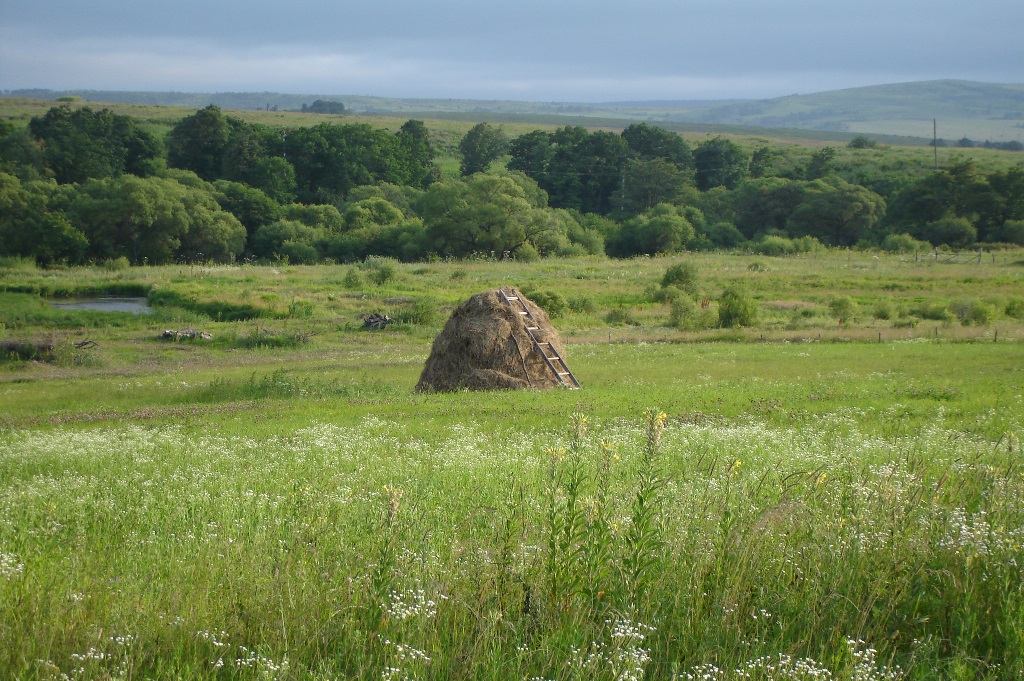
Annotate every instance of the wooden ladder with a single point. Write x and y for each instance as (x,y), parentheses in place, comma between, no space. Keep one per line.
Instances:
(554,360)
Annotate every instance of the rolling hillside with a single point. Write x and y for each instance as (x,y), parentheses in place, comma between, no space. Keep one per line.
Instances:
(977,111)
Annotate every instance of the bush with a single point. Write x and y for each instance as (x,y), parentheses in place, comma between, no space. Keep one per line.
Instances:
(904,243)
(972,312)
(422,312)
(117,264)
(687,315)
(1011,232)
(380,270)
(737,308)
(526,253)
(955,232)
(665,295)
(298,253)
(582,305)
(934,311)
(808,244)
(862,142)
(683,276)
(773,245)
(885,309)
(1015,307)
(621,316)
(352,279)
(550,301)
(843,308)
(300,309)
(724,235)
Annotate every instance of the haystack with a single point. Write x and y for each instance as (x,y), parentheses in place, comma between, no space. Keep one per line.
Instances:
(486,346)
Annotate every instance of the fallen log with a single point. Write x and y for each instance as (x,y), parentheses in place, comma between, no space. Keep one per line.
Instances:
(191,334)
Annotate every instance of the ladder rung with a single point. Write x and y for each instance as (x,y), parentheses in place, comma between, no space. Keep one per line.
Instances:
(564,373)
(507,297)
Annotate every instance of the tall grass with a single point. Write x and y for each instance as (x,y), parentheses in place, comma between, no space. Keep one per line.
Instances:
(649,548)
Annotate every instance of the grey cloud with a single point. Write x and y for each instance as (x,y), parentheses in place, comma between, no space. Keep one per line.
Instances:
(556,49)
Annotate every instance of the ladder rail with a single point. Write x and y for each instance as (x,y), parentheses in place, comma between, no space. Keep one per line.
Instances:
(559,375)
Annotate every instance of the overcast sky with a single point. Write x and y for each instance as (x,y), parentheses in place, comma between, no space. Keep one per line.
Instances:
(535,50)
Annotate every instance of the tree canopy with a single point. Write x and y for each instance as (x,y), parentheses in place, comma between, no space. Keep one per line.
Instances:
(81,144)
(481,146)
(81,185)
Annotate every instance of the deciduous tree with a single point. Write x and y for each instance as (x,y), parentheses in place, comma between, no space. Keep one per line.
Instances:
(719,163)
(79,144)
(482,145)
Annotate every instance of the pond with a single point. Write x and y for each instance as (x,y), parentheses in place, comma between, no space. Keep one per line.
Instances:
(131,304)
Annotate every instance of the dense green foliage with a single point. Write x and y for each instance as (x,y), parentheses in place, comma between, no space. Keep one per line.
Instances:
(481,146)
(79,144)
(643,191)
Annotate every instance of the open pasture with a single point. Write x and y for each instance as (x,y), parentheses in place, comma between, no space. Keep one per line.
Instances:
(796,500)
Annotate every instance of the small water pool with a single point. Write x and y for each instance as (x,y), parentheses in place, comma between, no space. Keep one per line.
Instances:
(130,304)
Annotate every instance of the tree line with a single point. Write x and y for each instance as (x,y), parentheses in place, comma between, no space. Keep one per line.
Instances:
(79,185)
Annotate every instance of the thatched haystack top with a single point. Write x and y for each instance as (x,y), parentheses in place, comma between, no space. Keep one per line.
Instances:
(485,345)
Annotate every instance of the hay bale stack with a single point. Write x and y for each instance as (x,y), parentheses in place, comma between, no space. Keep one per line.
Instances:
(485,346)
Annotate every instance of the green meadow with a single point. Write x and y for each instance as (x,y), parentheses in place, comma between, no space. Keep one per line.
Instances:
(833,491)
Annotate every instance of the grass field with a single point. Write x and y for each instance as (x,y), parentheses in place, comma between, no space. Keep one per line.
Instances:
(796,500)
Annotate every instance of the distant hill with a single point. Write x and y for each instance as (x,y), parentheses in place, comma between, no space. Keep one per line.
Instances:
(962,109)
(979,111)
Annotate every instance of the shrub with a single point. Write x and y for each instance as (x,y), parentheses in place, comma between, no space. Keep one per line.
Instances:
(527,253)
(862,142)
(1011,232)
(737,308)
(298,253)
(117,264)
(773,245)
(300,309)
(1015,307)
(665,295)
(683,276)
(380,270)
(885,309)
(935,311)
(421,311)
(807,244)
(973,312)
(352,279)
(724,235)
(757,266)
(686,315)
(551,302)
(955,232)
(843,308)
(621,316)
(582,305)
(904,243)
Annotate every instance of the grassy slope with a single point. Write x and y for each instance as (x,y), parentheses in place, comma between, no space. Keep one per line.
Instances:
(978,111)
